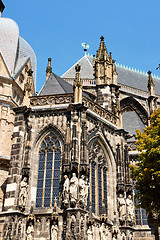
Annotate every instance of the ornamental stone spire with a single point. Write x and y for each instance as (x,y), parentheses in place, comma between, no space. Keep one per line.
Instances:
(77,85)
(2,7)
(152,99)
(48,69)
(151,91)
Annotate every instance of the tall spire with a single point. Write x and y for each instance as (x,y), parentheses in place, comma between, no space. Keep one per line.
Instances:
(2,7)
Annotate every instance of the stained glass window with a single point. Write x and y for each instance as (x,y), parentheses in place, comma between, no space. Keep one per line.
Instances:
(48,171)
(140,215)
(93,188)
(105,187)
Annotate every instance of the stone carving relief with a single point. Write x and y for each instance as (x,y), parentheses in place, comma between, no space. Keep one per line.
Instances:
(73,188)
(121,208)
(90,233)
(54,232)
(23,192)
(130,209)
(83,191)
(66,190)
(103,231)
(30,231)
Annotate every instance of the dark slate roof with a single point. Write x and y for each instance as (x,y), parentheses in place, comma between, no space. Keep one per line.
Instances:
(131,122)
(125,76)
(135,79)
(56,85)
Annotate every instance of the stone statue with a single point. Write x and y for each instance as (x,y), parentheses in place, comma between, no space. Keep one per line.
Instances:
(130,209)
(103,232)
(66,190)
(90,233)
(122,207)
(86,193)
(23,192)
(73,187)
(82,185)
(30,231)
(54,232)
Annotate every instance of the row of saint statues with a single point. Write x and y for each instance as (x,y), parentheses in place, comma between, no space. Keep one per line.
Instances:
(75,189)
(125,208)
(30,231)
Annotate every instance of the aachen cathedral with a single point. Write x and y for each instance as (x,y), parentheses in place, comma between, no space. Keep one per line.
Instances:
(65,152)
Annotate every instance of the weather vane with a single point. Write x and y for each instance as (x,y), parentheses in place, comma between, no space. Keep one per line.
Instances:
(85,46)
(158,67)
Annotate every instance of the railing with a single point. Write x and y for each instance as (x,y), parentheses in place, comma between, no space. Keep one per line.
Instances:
(51,100)
(102,112)
(68,98)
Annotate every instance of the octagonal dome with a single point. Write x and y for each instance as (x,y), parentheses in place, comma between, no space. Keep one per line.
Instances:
(14,49)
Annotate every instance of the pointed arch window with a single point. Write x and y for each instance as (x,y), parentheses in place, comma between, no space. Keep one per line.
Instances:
(48,171)
(98,179)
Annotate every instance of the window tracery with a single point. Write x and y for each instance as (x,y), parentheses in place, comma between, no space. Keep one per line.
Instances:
(48,171)
(98,178)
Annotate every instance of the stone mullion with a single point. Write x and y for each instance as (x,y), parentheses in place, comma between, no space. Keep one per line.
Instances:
(90,181)
(126,159)
(119,170)
(44,178)
(53,157)
(96,189)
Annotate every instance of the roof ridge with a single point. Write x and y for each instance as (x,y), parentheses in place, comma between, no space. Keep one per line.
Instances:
(89,60)
(73,65)
(57,77)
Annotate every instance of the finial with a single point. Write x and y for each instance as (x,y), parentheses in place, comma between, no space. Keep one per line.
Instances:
(85,46)
(102,38)
(48,69)
(2,7)
(149,72)
(77,68)
(158,67)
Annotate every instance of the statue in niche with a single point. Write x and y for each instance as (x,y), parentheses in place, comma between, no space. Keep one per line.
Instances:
(23,192)
(130,209)
(54,232)
(122,208)
(82,186)
(30,231)
(73,187)
(83,190)
(90,233)
(66,190)
(86,192)
(39,226)
(103,232)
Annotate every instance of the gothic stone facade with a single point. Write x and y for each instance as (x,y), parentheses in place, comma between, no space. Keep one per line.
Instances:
(69,170)
(68,173)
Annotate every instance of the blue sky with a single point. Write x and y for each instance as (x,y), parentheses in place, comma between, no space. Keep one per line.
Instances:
(56,29)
